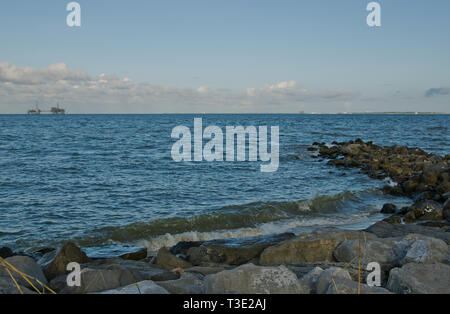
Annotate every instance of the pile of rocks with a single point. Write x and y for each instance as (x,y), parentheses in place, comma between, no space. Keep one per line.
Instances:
(322,262)
(422,176)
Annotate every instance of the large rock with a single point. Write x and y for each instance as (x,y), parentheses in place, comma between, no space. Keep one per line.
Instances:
(313,247)
(386,230)
(251,279)
(345,286)
(425,250)
(389,209)
(205,270)
(309,281)
(424,211)
(136,256)
(392,252)
(416,278)
(69,253)
(6,252)
(168,261)
(189,283)
(7,286)
(143,287)
(105,274)
(28,266)
(446,210)
(96,280)
(182,247)
(234,251)
(329,276)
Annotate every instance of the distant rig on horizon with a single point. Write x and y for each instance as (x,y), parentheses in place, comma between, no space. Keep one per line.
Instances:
(54,110)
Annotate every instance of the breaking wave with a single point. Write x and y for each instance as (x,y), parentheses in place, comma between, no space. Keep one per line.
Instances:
(254,219)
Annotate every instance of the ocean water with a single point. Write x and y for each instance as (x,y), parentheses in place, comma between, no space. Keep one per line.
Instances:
(109,182)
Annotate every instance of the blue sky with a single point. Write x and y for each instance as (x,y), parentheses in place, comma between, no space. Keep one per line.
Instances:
(226,56)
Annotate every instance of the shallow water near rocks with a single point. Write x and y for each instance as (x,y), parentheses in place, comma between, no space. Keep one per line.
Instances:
(108,182)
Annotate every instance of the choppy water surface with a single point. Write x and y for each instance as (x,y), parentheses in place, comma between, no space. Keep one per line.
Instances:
(107,181)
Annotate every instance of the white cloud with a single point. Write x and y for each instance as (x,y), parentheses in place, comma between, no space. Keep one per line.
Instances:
(20,87)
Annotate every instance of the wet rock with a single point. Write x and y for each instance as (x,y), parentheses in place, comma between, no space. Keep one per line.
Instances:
(386,230)
(143,287)
(183,247)
(427,195)
(329,276)
(394,219)
(313,247)
(135,256)
(414,170)
(6,252)
(67,254)
(234,251)
(189,283)
(446,210)
(424,210)
(168,261)
(251,279)
(28,266)
(416,278)
(389,209)
(345,286)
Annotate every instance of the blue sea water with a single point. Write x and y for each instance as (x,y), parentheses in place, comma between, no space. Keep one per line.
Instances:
(109,181)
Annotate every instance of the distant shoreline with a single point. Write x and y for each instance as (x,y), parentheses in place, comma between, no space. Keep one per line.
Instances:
(300,114)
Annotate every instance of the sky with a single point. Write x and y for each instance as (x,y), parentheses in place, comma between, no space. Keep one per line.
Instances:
(225,56)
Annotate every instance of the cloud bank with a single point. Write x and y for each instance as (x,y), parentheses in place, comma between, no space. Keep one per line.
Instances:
(437,92)
(21,87)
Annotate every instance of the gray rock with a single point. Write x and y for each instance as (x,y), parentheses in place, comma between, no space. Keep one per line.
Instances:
(389,209)
(140,270)
(67,254)
(168,261)
(189,283)
(345,286)
(7,286)
(313,247)
(28,266)
(309,281)
(386,252)
(386,230)
(6,252)
(182,247)
(330,275)
(204,270)
(135,256)
(425,250)
(424,211)
(446,210)
(392,252)
(143,287)
(96,280)
(416,278)
(251,279)
(234,251)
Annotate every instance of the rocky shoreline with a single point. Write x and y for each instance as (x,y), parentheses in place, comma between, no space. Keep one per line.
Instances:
(411,246)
